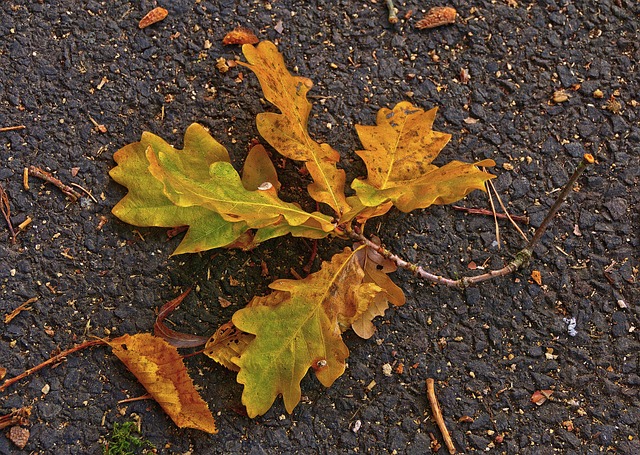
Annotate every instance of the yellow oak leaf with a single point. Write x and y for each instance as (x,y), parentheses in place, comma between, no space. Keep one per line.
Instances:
(161,371)
(398,152)
(287,131)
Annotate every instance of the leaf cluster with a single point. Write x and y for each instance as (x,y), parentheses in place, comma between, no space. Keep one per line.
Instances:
(277,338)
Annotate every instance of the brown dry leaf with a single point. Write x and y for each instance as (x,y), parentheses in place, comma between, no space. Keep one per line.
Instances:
(376,298)
(437,16)
(161,371)
(153,16)
(174,338)
(537,277)
(19,436)
(540,396)
(3,373)
(240,35)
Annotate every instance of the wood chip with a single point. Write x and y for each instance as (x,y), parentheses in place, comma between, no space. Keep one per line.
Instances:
(240,35)
(19,436)
(437,16)
(153,16)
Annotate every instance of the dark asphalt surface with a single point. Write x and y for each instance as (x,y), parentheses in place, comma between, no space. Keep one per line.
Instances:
(490,348)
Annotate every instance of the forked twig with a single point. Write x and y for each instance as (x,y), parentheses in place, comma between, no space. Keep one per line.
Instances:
(437,416)
(502,216)
(44,175)
(521,258)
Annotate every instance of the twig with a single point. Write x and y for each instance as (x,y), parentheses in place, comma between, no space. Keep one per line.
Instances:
(521,258)
(16,417)
(393,11)
(5,208)
(437,416)
(44,175)
(25,306)
(52,360)
(146,396)
(12,128)
(502,216)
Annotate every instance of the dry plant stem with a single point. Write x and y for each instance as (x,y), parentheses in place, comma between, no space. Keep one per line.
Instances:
(6,212)
(437,416)
(12,128)
(504,209)
(495,214)
(522,257)
(502,216)
(16,417)
(44,175)
(52,360)
(393,18)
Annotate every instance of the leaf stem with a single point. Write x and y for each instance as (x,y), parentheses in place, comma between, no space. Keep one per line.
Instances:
(393,11)
(521,258)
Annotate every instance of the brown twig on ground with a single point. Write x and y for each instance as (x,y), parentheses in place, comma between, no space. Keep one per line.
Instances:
(12,128)
(146,396)
(25,306)
(16,417)
(502,216)
(5,207)
(52,360)
(44,175)
(312,257)
(393,12)
(521,258)
(437,416)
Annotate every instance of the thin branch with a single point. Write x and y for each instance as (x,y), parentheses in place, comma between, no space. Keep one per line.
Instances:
(44,175)
(502,216)
(5,207)
(52,360)
(521,258)
(12,128)
(437,416)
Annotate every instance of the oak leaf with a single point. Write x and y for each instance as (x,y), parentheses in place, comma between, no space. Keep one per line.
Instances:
(223,192)
(287,131)
(299,327)
(161,371)
(146,204)
(398,153)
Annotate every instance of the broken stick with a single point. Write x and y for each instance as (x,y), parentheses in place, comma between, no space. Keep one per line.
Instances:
(44,175)
(437,416)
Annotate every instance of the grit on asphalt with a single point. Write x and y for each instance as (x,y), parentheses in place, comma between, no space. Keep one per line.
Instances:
(493,74)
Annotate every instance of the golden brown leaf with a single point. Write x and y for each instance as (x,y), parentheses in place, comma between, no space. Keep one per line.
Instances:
(287,131)
(161,371)
(240,35)
(398,152)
